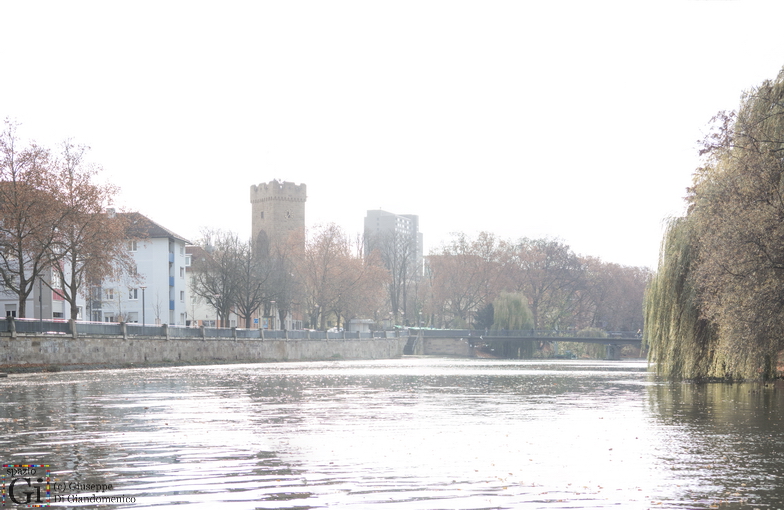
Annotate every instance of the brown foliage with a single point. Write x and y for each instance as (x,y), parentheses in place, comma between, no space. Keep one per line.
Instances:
(398,254)
(29,211)
(737,209)
(552,277)
(91,239)
(464,276)
(336,281)
(562,289)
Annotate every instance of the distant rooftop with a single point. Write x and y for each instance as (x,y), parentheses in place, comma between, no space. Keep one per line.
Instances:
(142,225)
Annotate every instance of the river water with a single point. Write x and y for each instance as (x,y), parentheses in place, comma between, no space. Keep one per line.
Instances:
(413,433)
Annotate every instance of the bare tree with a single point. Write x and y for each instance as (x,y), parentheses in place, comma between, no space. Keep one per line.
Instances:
(91,240)
(551,276)
(613,296)
(315,267)
(334,280)
(398,254)
(283,285)
(254,278)
(360,284)
(215,276)
(30,214)
(465,276)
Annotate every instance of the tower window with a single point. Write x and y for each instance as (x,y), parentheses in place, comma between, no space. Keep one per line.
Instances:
(262,215)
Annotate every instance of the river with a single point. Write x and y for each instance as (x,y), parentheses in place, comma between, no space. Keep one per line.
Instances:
(412,433)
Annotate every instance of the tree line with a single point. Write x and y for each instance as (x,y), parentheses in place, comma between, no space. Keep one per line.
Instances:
(58,229)
(468,278)
(467,283)
(715,308)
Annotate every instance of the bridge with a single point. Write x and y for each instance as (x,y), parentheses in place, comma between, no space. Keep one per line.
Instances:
(519,344)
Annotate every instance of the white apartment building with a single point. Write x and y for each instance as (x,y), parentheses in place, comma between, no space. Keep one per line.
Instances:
(157,293)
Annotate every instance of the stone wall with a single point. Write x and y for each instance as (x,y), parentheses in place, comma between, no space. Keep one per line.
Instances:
(44,351)
(436,346)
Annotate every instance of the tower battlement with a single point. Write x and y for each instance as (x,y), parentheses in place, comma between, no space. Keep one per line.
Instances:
(277,190)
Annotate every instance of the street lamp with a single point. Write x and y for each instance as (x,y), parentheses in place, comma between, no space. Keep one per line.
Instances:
(40,303)
(144,319)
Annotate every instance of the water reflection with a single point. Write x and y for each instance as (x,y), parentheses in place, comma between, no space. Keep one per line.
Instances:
(729,440)
(411,433)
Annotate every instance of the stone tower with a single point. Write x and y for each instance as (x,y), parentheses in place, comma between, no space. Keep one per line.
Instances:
(278,211)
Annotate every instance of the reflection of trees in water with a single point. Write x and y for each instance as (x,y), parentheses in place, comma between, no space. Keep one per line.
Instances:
(739,405)
(729,437)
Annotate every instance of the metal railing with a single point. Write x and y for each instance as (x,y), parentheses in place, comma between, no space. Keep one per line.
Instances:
(36,327)
(524,333)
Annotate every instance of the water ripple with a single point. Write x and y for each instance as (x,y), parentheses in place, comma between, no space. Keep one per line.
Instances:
(409,434)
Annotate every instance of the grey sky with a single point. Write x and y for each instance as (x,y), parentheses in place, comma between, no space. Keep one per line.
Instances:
(575,120)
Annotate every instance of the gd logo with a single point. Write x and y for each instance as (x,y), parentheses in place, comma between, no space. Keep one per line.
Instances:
(25,487)
(13,491)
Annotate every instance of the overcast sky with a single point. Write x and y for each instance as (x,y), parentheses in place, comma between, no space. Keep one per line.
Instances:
(573,120)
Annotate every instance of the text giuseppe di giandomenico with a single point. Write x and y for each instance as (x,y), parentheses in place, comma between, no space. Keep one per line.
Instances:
(32,486)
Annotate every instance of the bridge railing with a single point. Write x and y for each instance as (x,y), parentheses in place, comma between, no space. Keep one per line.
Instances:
(523,333)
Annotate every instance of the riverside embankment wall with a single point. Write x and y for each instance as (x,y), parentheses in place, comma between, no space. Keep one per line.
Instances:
(64,351)
(447,347)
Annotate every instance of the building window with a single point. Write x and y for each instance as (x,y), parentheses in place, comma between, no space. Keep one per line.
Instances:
(133,294)
(108,294)
(182,272)
(132,246)
(182,295)
(187,261)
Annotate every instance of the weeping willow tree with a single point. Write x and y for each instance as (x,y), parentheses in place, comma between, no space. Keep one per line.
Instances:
(511,312)
(680,343)
(716,306)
